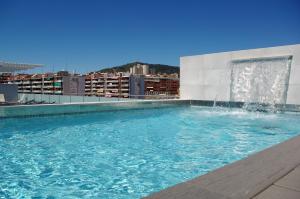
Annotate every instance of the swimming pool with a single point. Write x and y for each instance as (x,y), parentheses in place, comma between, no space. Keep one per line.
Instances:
(129,153)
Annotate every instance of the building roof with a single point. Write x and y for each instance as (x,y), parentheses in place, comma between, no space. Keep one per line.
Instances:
(12,67)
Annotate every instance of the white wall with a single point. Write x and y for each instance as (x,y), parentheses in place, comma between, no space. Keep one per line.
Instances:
(207,77)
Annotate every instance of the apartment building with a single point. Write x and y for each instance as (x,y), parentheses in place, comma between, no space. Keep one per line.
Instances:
(152,86)
(95,84)
(4,77)
(161,86)
(137,86)
(122,85)
(107,85)
(61,83)
(133,86)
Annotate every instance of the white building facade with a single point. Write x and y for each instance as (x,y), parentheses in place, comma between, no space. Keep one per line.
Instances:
(256,75)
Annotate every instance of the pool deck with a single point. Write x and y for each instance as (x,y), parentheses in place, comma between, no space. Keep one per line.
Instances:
(273,173)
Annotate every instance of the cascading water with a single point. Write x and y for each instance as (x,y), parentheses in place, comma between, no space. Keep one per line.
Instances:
(260,82)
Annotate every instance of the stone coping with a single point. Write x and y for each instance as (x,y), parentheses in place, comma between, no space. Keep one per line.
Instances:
(246,178)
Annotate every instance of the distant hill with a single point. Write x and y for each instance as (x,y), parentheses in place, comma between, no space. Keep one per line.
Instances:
(157,68)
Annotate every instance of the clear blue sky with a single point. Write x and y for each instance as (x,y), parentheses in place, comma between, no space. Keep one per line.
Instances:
(88,35)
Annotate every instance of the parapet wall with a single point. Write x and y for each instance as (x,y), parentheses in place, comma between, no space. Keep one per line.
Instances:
(209,76)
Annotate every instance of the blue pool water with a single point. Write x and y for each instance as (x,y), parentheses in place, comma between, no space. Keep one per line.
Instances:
(128,154)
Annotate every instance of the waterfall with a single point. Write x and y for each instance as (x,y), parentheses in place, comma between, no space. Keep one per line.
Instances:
(262,81)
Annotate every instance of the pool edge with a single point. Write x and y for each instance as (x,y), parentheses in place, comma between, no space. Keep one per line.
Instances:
(36,110)
(245,178)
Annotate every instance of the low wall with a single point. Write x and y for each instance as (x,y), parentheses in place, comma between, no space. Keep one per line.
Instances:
(62,99)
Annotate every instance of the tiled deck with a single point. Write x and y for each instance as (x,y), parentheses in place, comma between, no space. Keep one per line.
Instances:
(287,187)
(270,174)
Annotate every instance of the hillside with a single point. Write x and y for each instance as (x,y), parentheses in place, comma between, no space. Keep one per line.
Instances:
(157,68)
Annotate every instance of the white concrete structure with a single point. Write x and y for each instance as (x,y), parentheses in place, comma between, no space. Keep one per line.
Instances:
(209,76)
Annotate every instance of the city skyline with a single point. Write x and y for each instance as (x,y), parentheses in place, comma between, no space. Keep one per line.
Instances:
(87,36)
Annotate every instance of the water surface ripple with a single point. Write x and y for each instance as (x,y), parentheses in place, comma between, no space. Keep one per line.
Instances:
(128,154)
